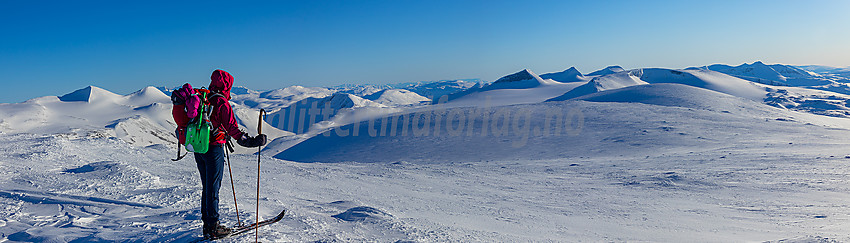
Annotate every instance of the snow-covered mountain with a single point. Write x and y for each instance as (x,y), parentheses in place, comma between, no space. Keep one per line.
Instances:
(606,71)
(828,79)
(776,74)
(704,79)
(359,90)
(821,69)
(839,74)
(276,99)
(242,90)
(397,97)
(301,115)
(570,75)
(435,90)
(166,90)
(517,88)
(601,83)
(520,80)
(142,118)
(521,131)
(296,93)
(816,100)
(91,94)
(689,155)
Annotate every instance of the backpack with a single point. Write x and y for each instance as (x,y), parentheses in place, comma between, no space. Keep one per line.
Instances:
(191,111)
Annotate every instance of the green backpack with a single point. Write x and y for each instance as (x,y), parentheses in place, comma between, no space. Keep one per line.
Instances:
(198,132)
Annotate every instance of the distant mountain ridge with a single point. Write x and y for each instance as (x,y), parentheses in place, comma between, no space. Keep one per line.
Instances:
(775,74)
(606,82)
(88,94)
(302,114)
(396,97)
(437,89)
(607,70)
(813,89)
(570,75)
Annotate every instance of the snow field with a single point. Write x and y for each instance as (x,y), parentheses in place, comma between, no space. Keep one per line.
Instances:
(748,190)
(661,155)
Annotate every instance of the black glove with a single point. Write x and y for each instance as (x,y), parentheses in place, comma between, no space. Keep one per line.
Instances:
(250,142)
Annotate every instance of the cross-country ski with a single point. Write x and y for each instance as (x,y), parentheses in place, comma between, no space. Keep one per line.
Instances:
(247,228)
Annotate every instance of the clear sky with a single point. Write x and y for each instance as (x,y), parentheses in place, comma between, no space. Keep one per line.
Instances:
(55,47)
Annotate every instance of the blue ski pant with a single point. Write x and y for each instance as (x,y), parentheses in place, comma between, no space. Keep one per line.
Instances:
(211,167)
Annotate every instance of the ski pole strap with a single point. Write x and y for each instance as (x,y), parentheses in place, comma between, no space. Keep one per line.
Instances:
(229,144)
(260,122)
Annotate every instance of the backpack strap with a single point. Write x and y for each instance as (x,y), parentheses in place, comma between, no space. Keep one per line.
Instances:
(214,94)
(210,97)
(220,127)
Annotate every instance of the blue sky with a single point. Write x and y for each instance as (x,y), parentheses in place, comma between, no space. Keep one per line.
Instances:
(53,48)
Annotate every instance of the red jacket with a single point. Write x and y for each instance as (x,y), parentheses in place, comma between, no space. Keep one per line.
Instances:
(222,117)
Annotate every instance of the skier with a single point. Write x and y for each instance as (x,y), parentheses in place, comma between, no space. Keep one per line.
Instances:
(211,163)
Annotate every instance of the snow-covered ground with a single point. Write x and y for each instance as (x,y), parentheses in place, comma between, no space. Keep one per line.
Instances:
(674,156)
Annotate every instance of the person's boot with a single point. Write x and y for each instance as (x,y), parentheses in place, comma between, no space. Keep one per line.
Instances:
(208,231)
(219,230)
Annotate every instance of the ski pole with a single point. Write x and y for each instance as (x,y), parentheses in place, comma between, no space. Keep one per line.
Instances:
(259,149)
(232,188)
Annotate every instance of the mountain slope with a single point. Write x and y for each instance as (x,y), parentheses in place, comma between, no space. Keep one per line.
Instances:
(301,115)
(295,93)
(522,87)
(92,111)
(396,97)
(91,94)
(142,118)
(276,99)
(435,90)
(520,80)
(776,74)
(704,79)
(570,75)
(606,82)
(681,159)
(677,95)
(606,71)
(514,132)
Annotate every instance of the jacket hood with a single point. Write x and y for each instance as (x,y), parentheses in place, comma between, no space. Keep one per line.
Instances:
(221,82)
